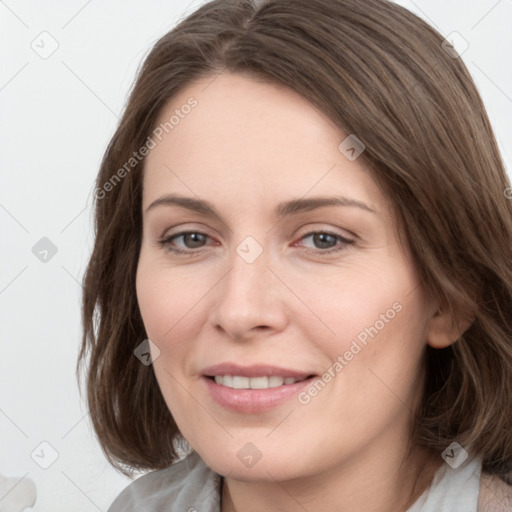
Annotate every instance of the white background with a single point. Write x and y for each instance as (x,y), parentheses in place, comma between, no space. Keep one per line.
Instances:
(57,116)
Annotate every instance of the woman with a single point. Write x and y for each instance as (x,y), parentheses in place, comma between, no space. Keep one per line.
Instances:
(301,273)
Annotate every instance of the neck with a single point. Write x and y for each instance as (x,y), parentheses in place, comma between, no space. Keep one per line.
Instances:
(375,482)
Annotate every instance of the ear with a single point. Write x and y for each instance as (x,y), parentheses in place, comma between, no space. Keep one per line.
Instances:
(444,329)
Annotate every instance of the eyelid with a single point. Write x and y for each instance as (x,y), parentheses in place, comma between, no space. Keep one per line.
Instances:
(342,242)
(315,226)
(192,227)
(334,234)
(324,228)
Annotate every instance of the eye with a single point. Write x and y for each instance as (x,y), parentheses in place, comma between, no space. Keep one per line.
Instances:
(193,241)
(327,242)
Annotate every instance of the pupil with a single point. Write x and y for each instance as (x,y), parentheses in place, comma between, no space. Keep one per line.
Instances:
(320,239)
(194,238)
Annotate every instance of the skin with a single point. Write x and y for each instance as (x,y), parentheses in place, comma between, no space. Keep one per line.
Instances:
(245,147)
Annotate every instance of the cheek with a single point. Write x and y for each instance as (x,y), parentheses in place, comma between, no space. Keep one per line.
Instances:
(153,303)
(356,301)
(377,323)
(168,319)
(374,359)
(166,303)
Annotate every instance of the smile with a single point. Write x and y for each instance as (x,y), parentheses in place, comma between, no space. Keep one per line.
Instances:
(252,401)
(265,382)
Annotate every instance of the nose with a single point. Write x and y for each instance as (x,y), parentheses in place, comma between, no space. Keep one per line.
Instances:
(249,300)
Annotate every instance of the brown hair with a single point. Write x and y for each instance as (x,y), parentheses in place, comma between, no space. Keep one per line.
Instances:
(381,73)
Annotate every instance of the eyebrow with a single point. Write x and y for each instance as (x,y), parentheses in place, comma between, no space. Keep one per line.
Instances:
(283,209)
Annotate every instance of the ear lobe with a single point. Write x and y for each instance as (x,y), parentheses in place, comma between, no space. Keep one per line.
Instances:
(444,330)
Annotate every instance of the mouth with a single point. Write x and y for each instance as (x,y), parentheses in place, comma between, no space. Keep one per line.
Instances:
(253,389)
(263,382)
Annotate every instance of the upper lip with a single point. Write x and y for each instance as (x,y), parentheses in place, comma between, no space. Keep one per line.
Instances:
(255,370)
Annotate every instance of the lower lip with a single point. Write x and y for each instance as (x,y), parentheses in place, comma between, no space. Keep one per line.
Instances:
(253,400)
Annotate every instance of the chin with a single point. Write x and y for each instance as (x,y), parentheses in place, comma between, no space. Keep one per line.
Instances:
(239,466)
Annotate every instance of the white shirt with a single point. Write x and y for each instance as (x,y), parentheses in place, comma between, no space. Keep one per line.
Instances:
(191,486)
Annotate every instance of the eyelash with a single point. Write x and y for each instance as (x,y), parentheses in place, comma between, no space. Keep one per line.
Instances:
(166,241)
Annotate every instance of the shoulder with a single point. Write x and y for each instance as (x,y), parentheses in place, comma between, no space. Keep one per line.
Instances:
(184,485)
(495,494)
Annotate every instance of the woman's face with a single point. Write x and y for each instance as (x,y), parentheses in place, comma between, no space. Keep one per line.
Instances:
(255,297)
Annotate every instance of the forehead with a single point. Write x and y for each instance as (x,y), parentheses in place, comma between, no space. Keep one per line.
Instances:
(246,135)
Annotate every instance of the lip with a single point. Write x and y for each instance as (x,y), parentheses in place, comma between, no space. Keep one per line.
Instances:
(251,401)
(255,370)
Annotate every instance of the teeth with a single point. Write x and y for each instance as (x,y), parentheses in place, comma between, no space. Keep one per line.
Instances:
(275,381)
(239,382)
